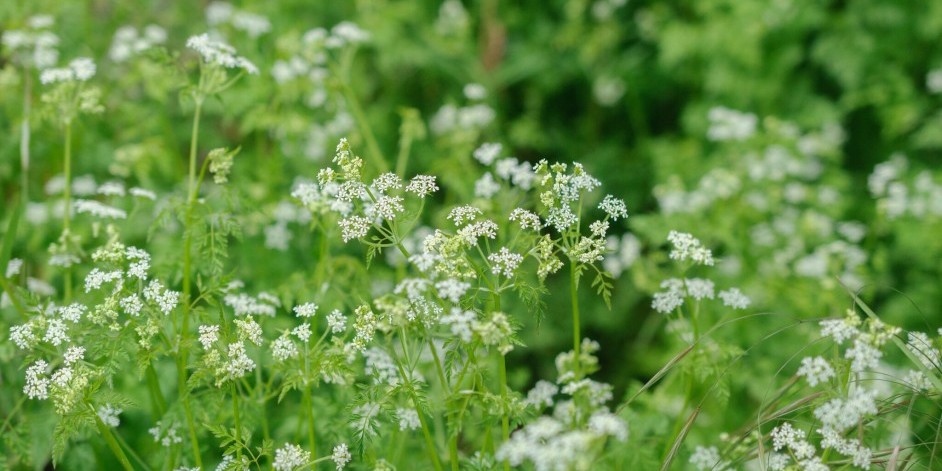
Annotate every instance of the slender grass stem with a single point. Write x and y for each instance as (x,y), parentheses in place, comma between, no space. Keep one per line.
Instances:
(25,134)
(67,203)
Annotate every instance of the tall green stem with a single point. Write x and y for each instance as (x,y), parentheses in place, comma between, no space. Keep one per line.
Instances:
(25,134)
(309,407)
(235,416)
(504,420)
(187,246)
(67,207)
(576,335)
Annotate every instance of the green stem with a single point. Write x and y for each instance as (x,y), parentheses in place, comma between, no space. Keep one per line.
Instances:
(25,134)
(67,207)
(504,420)
(429,443)
(309,405)
(112,443)
(375,154)
(187,246)
(156,396)
(576,336)
(261,402)
(238,422)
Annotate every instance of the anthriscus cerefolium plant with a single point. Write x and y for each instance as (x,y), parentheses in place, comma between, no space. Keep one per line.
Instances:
(201,272)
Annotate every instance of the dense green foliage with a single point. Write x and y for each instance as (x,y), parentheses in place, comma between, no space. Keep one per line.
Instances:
(392,235)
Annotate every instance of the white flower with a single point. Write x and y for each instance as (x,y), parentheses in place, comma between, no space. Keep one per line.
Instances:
(730,125)
(219,53)
(73,354)
(863,355)
(422,185)
(734,298)
(707,459)
(96,278)
(354,227)
(131,305)
(56,332)
(108,414)
(504,262)
(542,394)
(13,267)
(305,310)
(460,322)
(238,365)
(462,215)
(99,209)
(386,207)
(79,70)
(920,345)
(486,187)
(289,457)
(209,334)
(699,288)
(22,336)
(302,332)
(527,219)
(142,193)
(408,418)
(37,385)
(249,329)
(614,207)
(283,348)
(687,247)
(72,313)
(840,329)
(452,289)
(340,456)
(815,370)
(842,414)
(474,91)
(488,152)
(336,321)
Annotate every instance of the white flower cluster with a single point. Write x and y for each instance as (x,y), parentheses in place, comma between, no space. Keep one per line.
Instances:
(730,125)
(340,456)
(504,262)
(708,459)
(815,370)
(99,209)
(290,457)
(78,70)
(252,24)
(687,247)
(34,46)
(561,189)
(570,436)
(219,53)
(676,290)
(621,253)
(166,437)
(264,304)
(465,119)
(128,41)
(897,197)
(108,413)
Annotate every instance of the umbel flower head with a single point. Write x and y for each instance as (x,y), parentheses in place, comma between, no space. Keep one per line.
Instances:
(68,95)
